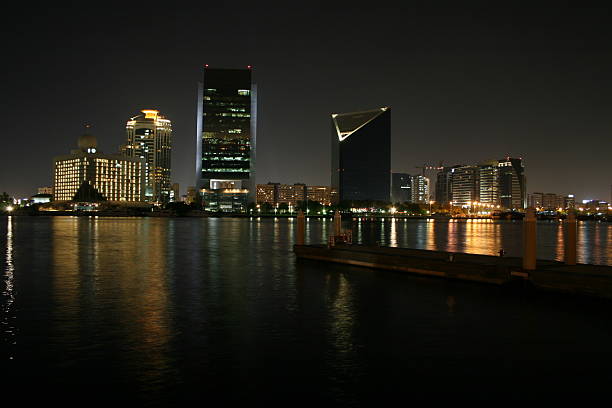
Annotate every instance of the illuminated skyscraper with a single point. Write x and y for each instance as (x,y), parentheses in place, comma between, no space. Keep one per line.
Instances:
(226,130)
(149,137)
(361,155)
(488,183)
(88,175)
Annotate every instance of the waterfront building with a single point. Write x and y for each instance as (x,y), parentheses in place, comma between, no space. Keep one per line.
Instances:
(267,193)
(419,189)
(361,154)
(464,186)
(488,183)
(321,194)
(225,199)
(41,198)
(88,175)
(444,194)
(45,190)
(149,137)
(569,201)
(291,194)
(401,188)
(226,130)
(512,183)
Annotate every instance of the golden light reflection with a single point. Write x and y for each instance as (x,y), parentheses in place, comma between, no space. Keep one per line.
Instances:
(393,236)
(116,262)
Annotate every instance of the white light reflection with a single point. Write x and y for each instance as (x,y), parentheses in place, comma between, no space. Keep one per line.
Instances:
(8,293)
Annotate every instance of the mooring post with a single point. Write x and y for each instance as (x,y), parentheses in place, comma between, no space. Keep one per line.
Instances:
(337,223)
(301,230)
(570,238)
(529,239)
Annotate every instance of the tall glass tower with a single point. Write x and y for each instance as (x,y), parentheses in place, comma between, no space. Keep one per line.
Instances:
(226,130)
(361,155)
(149,137)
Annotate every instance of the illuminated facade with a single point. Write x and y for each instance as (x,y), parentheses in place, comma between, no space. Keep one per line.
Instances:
(149,137)
(88,175)
(361,155)
(290,194)
(226,129)
(225,199)
(419,189)
(488,183)
(464,185)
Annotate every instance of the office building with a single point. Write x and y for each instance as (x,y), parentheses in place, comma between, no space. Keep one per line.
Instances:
(444,182)
(512,183)
(321,194)
(401,188)
(226,130)
(224,199)
(45,190)
(88,175)
(419,189)
(149,137)
(291,194)
(361,155)
(464,186)
(488,183)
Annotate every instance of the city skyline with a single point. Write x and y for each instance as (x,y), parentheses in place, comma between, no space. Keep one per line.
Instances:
(487,92)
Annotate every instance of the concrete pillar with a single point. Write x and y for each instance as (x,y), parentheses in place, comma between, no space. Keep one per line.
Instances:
(301,228)
(337,223)
(529,239)
(570,239)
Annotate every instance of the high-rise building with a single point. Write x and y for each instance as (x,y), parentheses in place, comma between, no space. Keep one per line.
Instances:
(226,130)
(488,183)
(361,155)
(401,187)
(419,189)
(444,183)
(464,188)
(321,194)
(88,175)
(512,183)
(149,137)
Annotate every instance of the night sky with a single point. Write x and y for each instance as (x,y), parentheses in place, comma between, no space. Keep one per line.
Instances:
(464,84)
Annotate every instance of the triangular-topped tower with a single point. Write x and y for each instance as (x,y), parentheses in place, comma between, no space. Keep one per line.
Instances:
(361,155)
(348,123)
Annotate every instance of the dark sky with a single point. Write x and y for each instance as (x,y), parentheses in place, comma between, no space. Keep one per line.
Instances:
(464,84)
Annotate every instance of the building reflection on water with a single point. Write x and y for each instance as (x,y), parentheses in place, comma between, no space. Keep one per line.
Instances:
(8,327)
(110,281)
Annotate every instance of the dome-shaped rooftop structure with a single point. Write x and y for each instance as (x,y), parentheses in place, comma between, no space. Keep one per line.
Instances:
(88,142)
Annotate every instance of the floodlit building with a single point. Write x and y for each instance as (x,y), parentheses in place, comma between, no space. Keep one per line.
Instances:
(45,190)
(225,199)
(290,194)
(90,176)
(226,130)
(361,155)
(149,137)
(464,188)
(488,183)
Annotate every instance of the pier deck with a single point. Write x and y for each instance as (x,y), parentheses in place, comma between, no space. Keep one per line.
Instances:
(551,275)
